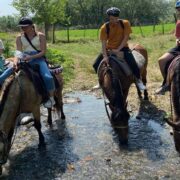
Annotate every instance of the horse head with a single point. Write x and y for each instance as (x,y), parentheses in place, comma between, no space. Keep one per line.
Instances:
(119,121)
(110,79)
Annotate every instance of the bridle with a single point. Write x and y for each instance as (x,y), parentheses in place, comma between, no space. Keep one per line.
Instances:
(105,70)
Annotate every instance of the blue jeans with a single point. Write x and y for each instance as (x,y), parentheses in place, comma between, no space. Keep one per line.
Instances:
(44,71)
(6,74)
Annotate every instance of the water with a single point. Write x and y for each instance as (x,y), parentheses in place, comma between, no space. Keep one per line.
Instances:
(86,147)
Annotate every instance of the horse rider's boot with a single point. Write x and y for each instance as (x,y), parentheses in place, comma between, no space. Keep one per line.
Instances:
(162,90)
(49,103)
(140,85)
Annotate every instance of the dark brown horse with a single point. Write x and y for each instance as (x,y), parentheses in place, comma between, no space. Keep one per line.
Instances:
(115,83)
(175,102)
(20,96)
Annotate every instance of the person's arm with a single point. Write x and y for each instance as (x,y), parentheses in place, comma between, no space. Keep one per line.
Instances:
(42,49)
(104,51)
(124,42)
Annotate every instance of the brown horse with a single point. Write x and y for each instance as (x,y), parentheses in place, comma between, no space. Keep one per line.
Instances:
(175,102)
(115,84)
(20,96)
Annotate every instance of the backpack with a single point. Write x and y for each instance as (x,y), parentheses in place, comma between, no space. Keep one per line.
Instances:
(108,29)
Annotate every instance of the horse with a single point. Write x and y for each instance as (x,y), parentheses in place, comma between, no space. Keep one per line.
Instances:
(59,103)
(115,84)
(174,81)
(18,96)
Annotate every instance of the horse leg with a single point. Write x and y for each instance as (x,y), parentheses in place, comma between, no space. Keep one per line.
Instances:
(37,125)
(49,120)
(62,112)
(144,80)
(59,107)
(139,92)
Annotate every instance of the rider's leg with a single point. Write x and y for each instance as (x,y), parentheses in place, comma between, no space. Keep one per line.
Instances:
(97,62)
(164,61)
(6,74)
(95,66)
(134,68)
(48,81)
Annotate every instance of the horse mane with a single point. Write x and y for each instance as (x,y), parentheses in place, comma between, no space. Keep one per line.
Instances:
(5,91)
(176,81)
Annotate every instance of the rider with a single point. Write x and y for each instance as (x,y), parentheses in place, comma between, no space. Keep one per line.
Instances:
(32,56)
(166,58)
(116,41)
(33,45)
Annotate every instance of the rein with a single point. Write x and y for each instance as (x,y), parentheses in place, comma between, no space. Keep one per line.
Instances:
(17,122)
(170,98)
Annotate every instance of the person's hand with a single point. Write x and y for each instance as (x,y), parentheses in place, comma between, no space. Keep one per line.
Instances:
(106,59)
(177,42)
(27,58)
(15,63)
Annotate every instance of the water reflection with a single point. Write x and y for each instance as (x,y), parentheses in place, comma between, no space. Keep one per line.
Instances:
(85,147)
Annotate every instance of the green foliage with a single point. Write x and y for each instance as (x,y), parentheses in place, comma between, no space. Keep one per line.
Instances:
(8,23)
(56,57)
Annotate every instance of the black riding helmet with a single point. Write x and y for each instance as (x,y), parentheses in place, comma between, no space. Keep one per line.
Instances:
(25,21)
(113,11)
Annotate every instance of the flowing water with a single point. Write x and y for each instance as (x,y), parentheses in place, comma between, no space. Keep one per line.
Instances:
(85,147)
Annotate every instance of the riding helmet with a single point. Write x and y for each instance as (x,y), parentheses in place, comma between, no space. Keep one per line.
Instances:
(177,5)
(113,11)
(25,21)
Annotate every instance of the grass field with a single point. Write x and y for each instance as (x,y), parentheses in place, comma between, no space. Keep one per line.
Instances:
(93,34)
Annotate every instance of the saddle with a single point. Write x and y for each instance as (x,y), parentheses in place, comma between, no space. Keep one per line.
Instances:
(119,59)
(171,70)
(34,75)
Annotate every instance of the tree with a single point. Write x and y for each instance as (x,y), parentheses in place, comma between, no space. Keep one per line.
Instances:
(46,12)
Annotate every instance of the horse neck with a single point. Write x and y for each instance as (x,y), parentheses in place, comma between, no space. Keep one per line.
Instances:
(10,109)
(175,91)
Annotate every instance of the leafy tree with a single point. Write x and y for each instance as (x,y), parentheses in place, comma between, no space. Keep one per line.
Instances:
(46,12)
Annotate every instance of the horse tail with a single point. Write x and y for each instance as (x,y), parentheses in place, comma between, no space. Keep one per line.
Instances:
(176,81)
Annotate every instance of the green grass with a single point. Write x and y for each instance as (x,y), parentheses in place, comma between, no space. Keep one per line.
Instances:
(93,34)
